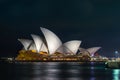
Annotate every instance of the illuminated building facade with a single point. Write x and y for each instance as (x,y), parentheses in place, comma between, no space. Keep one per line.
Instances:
(51,48)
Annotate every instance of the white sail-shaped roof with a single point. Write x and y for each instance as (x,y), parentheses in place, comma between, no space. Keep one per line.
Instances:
(83,51)
(70,47)
(40,46)
(32,46)
(93,50)
(53,42)
(25,42)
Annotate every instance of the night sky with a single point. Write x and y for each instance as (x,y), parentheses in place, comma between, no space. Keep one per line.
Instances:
(95,22)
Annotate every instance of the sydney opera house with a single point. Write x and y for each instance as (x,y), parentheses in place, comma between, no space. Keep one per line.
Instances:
(51,48)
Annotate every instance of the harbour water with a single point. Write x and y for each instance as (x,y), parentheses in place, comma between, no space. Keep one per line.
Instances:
(57,71)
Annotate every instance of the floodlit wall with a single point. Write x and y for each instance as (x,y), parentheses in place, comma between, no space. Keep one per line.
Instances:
(25,42)
(90,51)
(53,42)
(70,47)
(32,46)
(40,46)
(93,50)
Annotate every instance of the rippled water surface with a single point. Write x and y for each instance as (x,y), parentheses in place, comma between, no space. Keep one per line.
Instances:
(57,71)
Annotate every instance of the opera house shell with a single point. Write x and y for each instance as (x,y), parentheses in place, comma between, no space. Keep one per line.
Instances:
(89,51)
(51,46)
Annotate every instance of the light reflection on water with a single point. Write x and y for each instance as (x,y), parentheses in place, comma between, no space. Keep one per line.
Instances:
(58,71)
(116,74)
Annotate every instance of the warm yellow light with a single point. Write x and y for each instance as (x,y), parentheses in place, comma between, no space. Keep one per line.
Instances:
(43,53)
(33,51)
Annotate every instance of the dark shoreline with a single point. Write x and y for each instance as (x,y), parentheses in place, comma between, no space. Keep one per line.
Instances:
(55,61)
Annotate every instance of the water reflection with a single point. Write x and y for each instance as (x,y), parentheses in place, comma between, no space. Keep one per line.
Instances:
(58,71)
(116,74)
